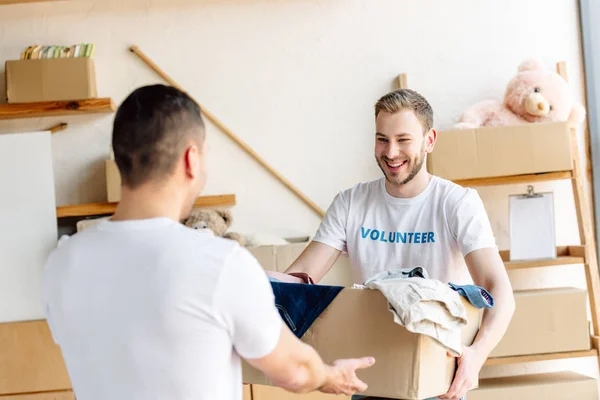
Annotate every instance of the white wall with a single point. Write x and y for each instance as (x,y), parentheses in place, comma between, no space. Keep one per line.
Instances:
(297,81)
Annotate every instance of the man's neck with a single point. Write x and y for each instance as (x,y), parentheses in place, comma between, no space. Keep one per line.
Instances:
(148,202)
(411,189)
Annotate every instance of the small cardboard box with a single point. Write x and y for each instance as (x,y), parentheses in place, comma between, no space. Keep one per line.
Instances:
(113,181)
(547,386)
(30,361)
(546,321)
(501,151)
(357,323)
(50,80)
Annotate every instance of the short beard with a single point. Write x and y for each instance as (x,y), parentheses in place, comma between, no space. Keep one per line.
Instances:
(413,172)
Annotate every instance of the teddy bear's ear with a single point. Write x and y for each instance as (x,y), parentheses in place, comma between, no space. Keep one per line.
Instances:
(577,114)
(226,215)
(532,64)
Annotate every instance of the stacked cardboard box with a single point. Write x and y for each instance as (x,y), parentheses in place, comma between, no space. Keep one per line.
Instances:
(546,321)
(547,386)
(501,151)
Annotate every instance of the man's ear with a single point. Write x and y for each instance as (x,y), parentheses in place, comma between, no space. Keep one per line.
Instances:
(430,138)
(191,159)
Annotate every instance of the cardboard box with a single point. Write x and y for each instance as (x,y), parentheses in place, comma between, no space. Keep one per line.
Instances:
(30,361)
(261,392)
(500,151)
(409,366)
(547,386)
(546,321)
(113,181)
(50,80)
(357,323)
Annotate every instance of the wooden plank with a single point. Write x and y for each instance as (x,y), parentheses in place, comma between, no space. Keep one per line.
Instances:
(57,128)
(507,180)
(541,357)
(565,255)
(3,2)
(56,108)
(84,210)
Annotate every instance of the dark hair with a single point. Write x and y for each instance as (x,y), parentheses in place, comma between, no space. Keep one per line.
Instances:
(150,131)
(408,99)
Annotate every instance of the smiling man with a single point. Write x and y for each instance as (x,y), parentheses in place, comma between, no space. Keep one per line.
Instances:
(411,218)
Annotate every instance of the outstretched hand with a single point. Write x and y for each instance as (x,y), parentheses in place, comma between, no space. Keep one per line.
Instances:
(342,377)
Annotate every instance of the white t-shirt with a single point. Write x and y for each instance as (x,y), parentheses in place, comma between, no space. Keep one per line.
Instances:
(434,229)
(151,309)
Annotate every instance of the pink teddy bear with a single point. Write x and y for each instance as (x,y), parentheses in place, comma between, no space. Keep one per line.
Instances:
(535,94)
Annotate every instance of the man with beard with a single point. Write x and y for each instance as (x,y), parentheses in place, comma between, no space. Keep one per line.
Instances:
(411,218)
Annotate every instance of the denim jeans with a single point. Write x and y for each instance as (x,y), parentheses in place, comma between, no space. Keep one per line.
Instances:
(300,304)
(477,296)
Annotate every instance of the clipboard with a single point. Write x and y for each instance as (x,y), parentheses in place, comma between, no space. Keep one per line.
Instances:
(532,226)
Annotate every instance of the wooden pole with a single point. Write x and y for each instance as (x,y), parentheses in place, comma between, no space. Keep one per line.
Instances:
(228,132)
(402,81)
(59,127)
(584,219)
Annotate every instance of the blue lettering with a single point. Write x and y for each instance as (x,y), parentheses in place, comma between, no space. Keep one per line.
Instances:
(383,237)
(397,237)
(364,232)
(374,234)
(401,236)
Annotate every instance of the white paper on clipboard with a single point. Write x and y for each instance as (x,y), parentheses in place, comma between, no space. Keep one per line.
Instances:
(532,226)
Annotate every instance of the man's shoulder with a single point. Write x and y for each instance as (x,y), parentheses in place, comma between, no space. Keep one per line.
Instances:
(453,194)
(361,189)
(178,240)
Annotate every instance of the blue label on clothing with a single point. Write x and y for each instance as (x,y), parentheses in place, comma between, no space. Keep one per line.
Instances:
(396,237)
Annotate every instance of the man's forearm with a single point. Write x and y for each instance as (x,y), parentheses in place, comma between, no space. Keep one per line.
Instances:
(495,320)
(301,369)
(316,260)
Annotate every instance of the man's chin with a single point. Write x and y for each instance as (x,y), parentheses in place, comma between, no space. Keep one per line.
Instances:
(396,180)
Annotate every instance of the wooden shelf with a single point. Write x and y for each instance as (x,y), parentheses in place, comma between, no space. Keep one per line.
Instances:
(565,255)
(541,357)
(56,108)
(95,209)
(506,180)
